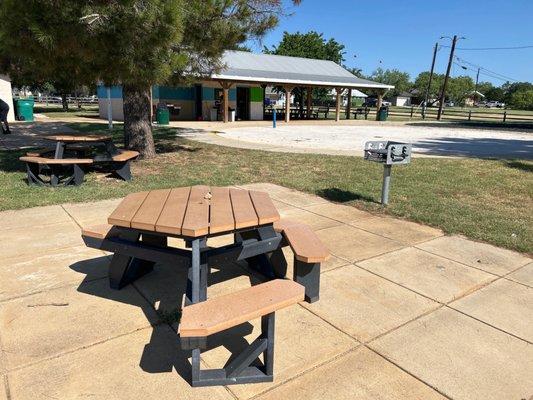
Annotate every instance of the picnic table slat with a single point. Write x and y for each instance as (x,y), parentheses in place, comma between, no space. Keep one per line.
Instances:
(264,208)
(126,210)
(243,209)
(171,218)
(146,216)
(78,138)
(220,212)
(196,221)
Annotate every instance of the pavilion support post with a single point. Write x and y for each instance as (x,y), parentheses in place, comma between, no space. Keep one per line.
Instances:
(225,100)
(338,105)
(288,90)
(309,101)
(379,103)
(349,104)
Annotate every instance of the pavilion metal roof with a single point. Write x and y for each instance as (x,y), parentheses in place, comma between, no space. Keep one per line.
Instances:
(243,66)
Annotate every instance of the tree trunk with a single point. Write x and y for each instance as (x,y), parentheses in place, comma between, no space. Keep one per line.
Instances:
(137,124)
(64,102)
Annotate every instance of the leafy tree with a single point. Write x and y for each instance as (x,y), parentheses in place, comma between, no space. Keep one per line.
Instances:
(397,78)
(134,43)
(522,99)
(308,45)
(421,84)
(459,88)
(495,94)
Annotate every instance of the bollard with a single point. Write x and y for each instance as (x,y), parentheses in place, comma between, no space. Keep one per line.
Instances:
(273,117)
(386,185)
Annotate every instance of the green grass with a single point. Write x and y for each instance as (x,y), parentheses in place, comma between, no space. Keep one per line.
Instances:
(488,200)
(56,111)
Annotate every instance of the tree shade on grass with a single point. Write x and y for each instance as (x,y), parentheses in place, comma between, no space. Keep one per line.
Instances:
(489,200)
(133,43)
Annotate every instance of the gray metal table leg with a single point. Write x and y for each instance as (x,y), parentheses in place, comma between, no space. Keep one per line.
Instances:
(125,269)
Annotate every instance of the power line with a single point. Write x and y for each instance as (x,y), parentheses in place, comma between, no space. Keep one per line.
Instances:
(491,48)
(501,76)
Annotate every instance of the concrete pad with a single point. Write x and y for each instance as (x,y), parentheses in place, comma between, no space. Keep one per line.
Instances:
(298,199)
(361,374)
(38,239)
(94,213)
(331,263)
(433,276)
(50,323)
(365,305)
(3,388)
(339,212)
(314,221)
(355,244)
(147,364)
(480,255)
(504,304)
(281,206)
(398,229)
(462,357)
(50,269)
(286,195)
(524,275)
(302,341)
(36,216)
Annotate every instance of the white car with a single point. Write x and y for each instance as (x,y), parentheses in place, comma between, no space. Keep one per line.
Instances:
(494,104)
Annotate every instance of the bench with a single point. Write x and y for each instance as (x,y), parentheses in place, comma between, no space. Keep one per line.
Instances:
(58,172)
(309,253)
(39,152)
(324,110)
(120,163)
(361,111)
(200,320)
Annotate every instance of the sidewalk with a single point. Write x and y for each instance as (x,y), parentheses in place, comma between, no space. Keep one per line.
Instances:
(405,313)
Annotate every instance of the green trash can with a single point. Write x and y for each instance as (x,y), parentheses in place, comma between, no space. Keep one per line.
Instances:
(383,113)
(162,115)
(24,109)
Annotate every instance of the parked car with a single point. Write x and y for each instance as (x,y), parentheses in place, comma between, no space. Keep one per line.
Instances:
(494,104)
(372,102)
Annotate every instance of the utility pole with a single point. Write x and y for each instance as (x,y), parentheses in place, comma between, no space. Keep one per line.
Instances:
(475,90)
(426,98)
(443,92)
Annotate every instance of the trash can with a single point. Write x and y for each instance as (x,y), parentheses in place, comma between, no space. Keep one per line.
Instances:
(24,109)
(383,113)
(231,115)
(162,114)
(213,114)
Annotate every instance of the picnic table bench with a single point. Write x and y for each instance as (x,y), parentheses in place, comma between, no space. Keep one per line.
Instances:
(137,234)
(64,163)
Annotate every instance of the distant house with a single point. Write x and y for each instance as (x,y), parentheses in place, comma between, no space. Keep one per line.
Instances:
(472,98)
(402,100)
(7,95)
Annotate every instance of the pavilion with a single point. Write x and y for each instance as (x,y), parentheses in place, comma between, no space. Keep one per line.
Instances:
(241,83)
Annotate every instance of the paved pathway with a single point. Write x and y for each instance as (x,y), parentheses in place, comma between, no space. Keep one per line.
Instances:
(405,313)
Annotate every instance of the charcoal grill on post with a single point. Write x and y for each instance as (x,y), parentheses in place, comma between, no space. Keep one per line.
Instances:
(387,153)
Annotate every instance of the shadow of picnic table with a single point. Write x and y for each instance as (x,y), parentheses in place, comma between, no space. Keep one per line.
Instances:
(161,292)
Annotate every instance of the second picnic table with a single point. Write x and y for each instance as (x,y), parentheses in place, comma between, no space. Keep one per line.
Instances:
(82,143)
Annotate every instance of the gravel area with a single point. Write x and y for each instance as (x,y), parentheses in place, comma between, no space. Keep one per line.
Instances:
(428,140)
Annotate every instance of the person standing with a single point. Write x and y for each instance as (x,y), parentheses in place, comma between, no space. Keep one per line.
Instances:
(4,111)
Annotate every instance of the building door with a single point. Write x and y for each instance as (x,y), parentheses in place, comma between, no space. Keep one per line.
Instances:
(243,103)
(198,102)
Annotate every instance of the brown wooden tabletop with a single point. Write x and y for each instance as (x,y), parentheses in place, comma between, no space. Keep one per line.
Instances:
(194,211)
(78,138)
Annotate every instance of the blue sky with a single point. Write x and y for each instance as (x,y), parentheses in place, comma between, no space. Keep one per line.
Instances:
(401,34)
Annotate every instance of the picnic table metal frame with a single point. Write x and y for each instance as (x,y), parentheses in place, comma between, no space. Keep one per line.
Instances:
(135,253)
